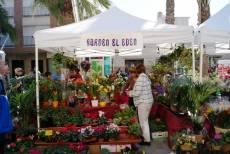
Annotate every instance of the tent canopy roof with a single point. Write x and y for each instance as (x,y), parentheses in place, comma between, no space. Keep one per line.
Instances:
(217,27)
(111,22)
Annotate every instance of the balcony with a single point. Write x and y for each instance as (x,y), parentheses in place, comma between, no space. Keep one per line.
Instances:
(10,11)
(38,11)
(28,41)
(9,43)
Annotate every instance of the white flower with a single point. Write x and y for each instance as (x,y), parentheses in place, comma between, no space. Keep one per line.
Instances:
(101,113)
(57,132)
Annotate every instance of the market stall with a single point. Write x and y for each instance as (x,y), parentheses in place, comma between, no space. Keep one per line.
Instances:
(214,30)
(106,32)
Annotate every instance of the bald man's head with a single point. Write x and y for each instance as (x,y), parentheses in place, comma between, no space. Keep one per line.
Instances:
(4,69)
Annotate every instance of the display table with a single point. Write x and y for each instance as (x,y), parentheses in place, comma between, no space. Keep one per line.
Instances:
(174,122)
(94,147)
(108,110)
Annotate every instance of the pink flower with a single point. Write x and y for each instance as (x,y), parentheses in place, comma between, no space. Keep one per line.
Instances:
(35,151)
(13,145)
(133,120)
(217,136)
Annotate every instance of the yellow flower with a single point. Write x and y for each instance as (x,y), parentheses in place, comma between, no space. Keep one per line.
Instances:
(209,110)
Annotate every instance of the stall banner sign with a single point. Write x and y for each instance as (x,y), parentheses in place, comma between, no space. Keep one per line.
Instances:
(112,41)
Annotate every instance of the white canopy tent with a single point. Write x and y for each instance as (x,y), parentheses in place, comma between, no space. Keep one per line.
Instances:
(120,31)
(215,30)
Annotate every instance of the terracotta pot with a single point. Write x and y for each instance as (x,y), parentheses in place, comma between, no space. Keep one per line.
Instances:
(226,148)
(123,135)
(130,136)
(55,104)
(123,129)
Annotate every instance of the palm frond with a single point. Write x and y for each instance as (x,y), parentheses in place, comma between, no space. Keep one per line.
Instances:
(5,26)
(55,7)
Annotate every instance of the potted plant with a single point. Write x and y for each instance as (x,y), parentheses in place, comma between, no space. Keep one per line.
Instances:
(94,92)
(111,132)
(134,129)
(226,139)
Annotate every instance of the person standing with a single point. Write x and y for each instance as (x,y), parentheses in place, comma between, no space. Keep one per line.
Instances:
(6,124)
(130,84)
(143,100)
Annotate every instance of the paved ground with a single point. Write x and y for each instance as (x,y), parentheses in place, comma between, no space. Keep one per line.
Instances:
(157,147)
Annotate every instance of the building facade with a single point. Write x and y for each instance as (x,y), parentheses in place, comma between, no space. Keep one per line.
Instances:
(27,19)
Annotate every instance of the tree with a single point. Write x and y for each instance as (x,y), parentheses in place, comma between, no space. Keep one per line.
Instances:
(203,10)
(170,19)
(63,8)
(5,27)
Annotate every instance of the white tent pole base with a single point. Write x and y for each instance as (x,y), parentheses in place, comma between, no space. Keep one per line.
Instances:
(37,87)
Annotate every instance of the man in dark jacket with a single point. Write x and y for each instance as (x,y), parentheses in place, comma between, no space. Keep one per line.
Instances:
(5,118)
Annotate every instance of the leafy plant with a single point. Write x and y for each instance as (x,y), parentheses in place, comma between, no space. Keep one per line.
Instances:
(77,119)
(223,120)
(162,99)
(58,58)
(59,150)
(53,117)
(105,151)
(26,131)
(123,117)
(200,92)
(102,120)
(134,129)
(156,126)
(23,105)
(226,137)
(179,94)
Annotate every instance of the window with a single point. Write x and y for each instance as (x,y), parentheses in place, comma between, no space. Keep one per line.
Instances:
(40,65)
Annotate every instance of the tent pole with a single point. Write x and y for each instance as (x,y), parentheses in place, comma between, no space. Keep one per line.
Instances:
(37,86)
(201,61)
(193,59)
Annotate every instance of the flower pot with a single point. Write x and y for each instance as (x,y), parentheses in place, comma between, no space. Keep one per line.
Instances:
(94,103)
(132,137)
(123,135)
(55,104)
(186,147)
(216,148)
(102,104)
(226,148)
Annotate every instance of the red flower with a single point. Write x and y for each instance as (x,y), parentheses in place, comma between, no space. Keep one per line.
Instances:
(13,145)
(133,120)
(63,130)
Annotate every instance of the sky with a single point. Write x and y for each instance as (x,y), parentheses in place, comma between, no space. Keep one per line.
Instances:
(148,9)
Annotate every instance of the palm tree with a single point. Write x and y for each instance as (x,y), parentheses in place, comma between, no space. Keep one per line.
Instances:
(203,15)
(5,27)
(63,8)
(203,10)
(170,4)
